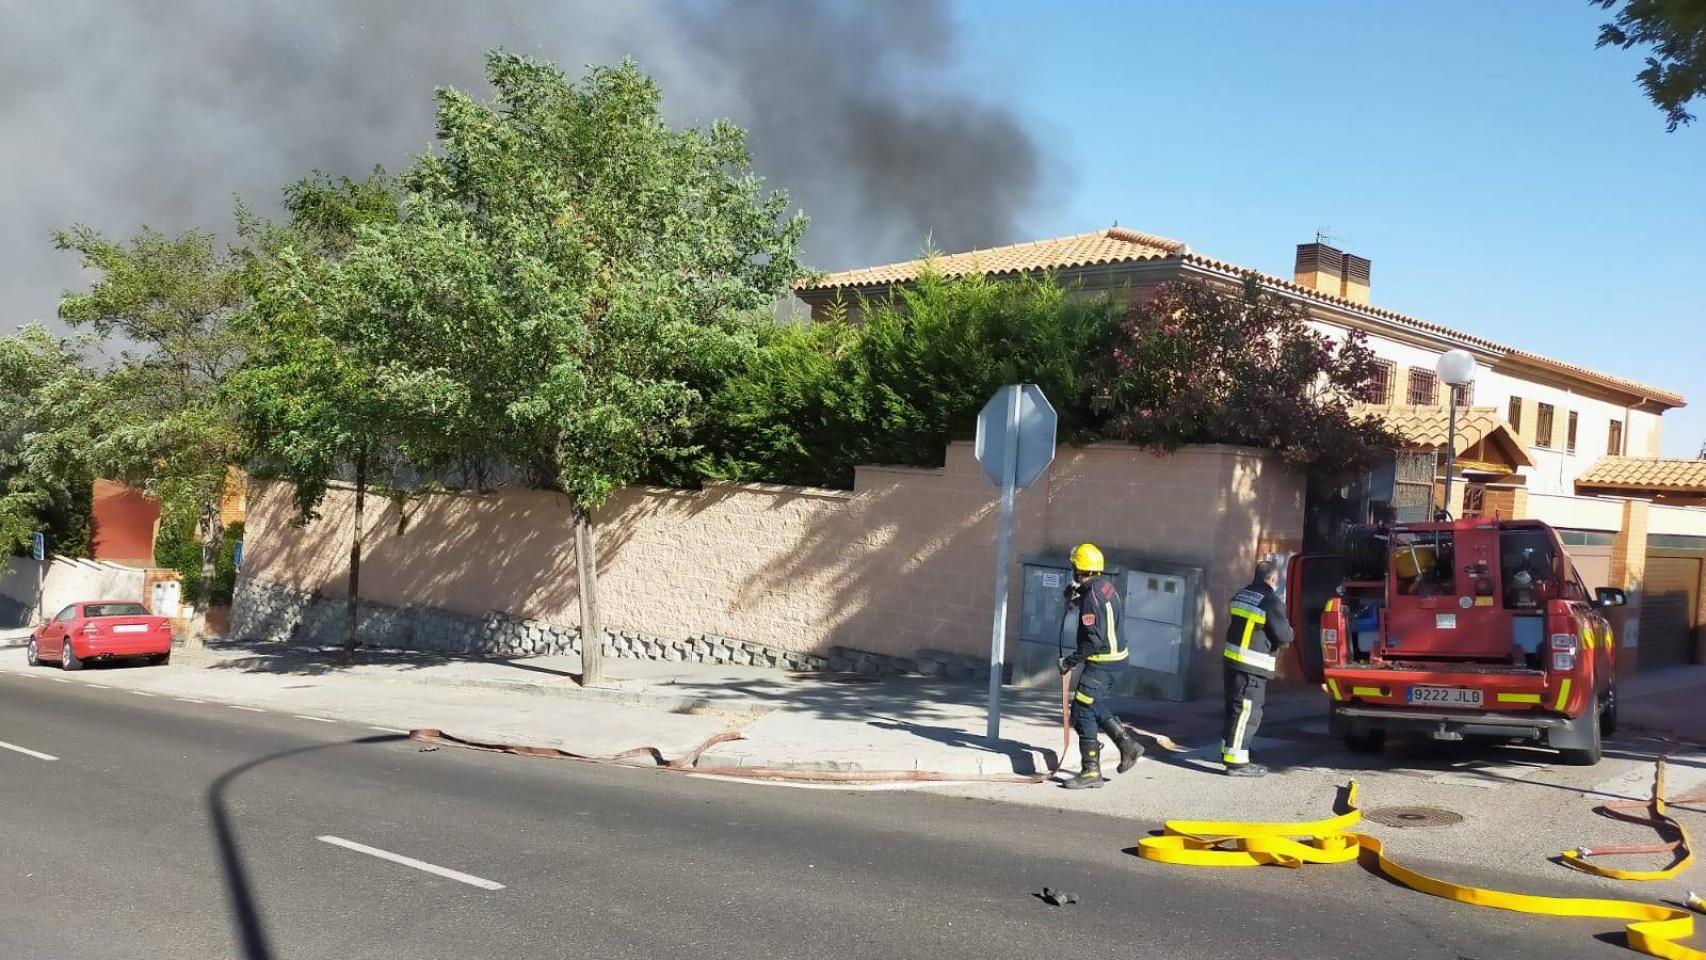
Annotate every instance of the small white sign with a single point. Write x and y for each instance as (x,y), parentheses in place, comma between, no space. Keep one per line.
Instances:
(1051,581)
(1445,621)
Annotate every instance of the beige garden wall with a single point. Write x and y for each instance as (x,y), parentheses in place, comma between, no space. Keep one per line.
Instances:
(902,563)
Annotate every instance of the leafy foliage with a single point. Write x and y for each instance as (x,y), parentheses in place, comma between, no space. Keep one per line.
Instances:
(1676,31)
(566,269)
(45,483)
(160,419)
(818,400)
(179,549)
(1195,363)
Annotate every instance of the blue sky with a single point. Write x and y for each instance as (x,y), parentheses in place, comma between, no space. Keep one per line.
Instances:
(1505,177)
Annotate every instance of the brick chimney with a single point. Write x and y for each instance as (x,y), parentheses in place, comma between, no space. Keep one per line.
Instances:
(1320,268)
(1356,279)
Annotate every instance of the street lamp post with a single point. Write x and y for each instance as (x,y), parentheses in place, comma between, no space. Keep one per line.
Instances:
(1457,369)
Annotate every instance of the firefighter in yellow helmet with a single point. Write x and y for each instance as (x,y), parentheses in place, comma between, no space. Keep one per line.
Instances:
(1099,649)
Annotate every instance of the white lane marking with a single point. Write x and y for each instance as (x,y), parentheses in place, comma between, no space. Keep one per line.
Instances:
(238,706)
(141,694)
(422,865)
(26,751)
(303,716)
(101,686)
(185,700)
(389,730)
(59,680)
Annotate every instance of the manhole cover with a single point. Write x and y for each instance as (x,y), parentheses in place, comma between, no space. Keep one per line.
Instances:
(1413,816)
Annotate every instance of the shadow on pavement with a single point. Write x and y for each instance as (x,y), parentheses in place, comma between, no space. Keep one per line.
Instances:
(240,889)
(267,656)
(1023,756)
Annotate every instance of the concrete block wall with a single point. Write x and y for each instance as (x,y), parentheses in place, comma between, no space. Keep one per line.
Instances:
(898,568)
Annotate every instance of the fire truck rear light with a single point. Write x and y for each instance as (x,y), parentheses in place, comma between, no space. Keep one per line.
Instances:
(1563,661)
(1564,641)
(1329,635)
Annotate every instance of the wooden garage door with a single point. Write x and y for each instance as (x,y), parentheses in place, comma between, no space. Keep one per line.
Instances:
(1670,605)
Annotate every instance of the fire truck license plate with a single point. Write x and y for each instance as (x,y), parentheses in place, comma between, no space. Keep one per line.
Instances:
(1446,696)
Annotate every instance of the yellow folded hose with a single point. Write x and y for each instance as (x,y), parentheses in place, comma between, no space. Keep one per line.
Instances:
(1652,929)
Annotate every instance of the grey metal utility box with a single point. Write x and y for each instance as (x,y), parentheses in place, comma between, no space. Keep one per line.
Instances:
(1163,613)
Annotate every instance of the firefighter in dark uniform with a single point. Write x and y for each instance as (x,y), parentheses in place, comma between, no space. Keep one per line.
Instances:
(1099,650)
(1258,632)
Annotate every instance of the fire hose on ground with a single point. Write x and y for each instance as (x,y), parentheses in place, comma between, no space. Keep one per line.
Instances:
(1653,929)
(688,762)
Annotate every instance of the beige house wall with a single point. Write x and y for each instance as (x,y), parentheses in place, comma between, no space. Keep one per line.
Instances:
(900,564)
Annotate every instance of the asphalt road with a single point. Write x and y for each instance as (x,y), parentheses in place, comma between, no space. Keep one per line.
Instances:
(197,830)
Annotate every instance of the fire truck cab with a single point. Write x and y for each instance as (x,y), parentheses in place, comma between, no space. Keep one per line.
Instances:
(1476,627)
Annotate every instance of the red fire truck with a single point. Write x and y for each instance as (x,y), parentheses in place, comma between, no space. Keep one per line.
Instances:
(1478,627)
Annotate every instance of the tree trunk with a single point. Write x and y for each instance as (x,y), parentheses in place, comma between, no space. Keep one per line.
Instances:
(352,603)
(212,539)
(592,625)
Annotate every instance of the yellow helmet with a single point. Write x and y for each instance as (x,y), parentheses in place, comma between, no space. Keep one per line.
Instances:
(1087,558)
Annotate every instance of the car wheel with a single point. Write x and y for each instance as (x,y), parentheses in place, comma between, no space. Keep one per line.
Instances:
(1608,712)
(68,657)
(160,660)
(1366,741)
(32,655)
(1589,755)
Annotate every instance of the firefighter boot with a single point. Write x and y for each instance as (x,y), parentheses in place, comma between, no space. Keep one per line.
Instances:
(1090,771)
(1130,750)
(1246,770)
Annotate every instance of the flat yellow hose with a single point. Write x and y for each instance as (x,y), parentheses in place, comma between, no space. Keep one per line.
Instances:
(1684,849)
(1652,929)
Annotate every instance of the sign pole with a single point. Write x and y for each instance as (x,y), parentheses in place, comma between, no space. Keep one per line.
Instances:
(1003,548)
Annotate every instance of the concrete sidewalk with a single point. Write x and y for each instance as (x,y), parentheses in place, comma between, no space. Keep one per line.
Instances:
(790,721)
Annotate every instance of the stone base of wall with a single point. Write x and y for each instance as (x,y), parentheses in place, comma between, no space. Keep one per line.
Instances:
(265,611)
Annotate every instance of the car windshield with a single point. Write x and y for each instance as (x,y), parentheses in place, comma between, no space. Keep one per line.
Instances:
(114,610)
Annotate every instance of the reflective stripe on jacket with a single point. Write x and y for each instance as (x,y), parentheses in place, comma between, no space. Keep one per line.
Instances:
(1257,631)
(1100,610)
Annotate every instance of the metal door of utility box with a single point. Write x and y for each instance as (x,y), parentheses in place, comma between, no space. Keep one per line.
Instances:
(1163,608)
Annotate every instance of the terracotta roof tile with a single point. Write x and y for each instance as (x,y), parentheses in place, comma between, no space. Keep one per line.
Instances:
(1647,474)
(1115,245)
(1427,427)
(1121,245)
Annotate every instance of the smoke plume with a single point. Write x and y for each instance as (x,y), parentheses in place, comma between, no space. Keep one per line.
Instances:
(162,112)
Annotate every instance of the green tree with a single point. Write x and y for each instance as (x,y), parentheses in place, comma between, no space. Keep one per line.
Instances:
(566,271)
(161,419)
(1675,30)
(325,395)
(1199,363)
(45,480)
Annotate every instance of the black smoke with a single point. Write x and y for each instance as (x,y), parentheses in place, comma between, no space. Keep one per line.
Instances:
(163,112)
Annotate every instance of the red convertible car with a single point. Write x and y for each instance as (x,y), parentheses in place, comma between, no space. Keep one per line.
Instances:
(101,630)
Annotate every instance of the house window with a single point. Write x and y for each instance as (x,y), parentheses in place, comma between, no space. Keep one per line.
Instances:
(1465,395)
(1570,434)
(1514,415)
(1614,444)
(1543,426)
(1474,501)
(1424,387)
(1380,385)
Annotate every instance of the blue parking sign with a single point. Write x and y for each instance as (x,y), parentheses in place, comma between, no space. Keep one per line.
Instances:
(38,546)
